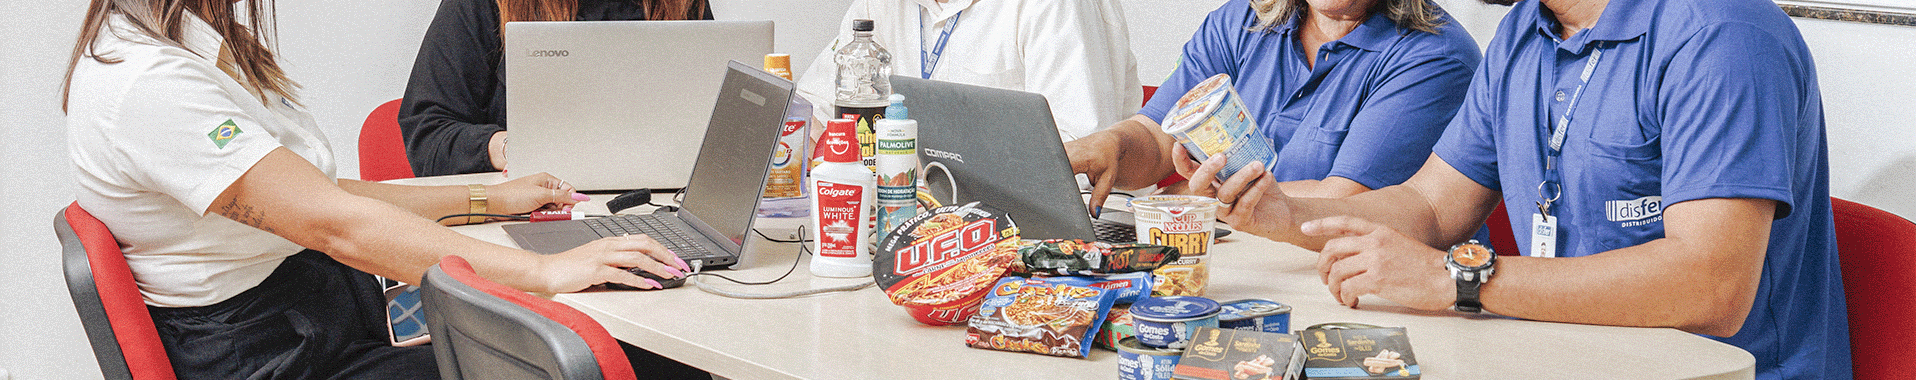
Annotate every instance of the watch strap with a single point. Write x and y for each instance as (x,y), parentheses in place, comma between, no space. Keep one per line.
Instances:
(1466,295)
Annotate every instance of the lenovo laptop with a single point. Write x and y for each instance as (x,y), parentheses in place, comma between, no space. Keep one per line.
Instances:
(723,192)
(586,100)
(1000,147)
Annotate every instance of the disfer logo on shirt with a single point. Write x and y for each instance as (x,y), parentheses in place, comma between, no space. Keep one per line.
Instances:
(223,133)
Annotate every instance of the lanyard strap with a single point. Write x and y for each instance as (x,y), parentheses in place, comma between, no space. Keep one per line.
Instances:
(1551,175)
(930,59)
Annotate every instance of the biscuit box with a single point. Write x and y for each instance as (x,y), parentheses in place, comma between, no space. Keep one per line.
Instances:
(1227,354)
(1359,353)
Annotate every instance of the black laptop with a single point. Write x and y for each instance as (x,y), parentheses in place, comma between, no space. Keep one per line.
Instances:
(714,218)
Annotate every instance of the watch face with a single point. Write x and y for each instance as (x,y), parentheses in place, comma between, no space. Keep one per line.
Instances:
(1471,255)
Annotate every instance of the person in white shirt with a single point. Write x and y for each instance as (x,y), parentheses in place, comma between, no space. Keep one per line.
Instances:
(189,145)
(1074,52)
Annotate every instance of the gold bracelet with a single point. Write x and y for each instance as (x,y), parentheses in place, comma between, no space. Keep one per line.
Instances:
(476,203)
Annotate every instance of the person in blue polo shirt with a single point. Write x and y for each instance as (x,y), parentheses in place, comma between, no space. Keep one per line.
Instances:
(1353,93)
(1675,155)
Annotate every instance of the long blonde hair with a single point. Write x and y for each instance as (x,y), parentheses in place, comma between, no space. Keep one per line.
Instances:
(164,20)
(1420,15)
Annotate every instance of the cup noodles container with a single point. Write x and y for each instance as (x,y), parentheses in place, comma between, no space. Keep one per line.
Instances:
(1184,222)
(941,264)
(1256,315)
(1169,322)
(1139,362)
(1211,119)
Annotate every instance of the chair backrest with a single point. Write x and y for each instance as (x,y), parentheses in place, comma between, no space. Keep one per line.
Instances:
(383,154)
(1500,231)
(1876,264)
(118,327)
(482,329)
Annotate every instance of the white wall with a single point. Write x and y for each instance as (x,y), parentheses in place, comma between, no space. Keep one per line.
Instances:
(354,55)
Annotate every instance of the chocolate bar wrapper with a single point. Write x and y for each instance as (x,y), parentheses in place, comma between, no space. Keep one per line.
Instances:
(1344,353)
(1227,354)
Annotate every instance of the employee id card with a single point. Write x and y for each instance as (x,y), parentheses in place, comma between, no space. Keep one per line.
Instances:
(1545,235)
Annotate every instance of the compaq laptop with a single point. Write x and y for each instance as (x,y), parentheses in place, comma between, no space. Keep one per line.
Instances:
(723,193)
(586,100)
(1001,147)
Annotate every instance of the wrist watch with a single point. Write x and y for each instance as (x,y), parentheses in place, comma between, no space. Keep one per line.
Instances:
(1471,264)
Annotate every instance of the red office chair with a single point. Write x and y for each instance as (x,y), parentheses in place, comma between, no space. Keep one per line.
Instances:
(1500,231)
(1876,263)
(482,329)
(383,155)
(115,317)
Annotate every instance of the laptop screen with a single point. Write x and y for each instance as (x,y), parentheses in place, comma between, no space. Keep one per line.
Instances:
(731,169)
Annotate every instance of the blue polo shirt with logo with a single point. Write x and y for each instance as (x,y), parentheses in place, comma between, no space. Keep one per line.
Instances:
(1690,99)
(1369,110)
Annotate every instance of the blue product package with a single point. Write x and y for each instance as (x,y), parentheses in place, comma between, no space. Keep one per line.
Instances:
(1256,315)
(1056,316)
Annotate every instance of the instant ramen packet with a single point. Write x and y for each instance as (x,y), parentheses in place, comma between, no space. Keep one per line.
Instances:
(1049,316)
(1075,257)
(940,264)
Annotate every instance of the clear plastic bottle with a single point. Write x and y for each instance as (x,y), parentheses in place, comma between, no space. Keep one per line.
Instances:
(862,85)
(786,192)
(843,203)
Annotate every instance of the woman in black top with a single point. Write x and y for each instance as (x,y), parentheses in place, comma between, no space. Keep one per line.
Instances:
(455,111)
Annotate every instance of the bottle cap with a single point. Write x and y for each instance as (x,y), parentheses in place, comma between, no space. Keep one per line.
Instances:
(897,107)
(862,25)
(839,143)
(777,60)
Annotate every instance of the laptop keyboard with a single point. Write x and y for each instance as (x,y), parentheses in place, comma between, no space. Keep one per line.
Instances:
(1113,232)
(660,230)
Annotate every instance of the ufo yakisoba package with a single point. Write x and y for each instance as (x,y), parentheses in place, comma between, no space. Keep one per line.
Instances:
(1075,257)
(1044,315)
(940,264)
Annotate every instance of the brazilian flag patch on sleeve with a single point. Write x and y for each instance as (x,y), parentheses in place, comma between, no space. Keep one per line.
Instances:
(223,133)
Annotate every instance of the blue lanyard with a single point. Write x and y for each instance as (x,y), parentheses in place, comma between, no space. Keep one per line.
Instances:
(1551,175)
(929,59)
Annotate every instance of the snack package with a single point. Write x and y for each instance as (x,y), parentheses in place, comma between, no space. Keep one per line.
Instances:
(1226,354)
(1116,326)
(1358,353)
(1127,287)
(940,264)
(1049,316)
(1075,257)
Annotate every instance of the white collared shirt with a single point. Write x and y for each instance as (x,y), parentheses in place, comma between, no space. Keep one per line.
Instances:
(1074,52)
(156,137)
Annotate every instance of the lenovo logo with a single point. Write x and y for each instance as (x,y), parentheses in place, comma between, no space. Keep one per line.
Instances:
(547,53)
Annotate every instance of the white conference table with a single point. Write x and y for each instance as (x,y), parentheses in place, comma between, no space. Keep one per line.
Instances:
(860,335)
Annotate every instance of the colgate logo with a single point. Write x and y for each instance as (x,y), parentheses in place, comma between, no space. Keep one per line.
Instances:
(838,193)
(838,145)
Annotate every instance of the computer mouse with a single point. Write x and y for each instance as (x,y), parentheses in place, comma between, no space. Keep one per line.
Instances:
(665,283)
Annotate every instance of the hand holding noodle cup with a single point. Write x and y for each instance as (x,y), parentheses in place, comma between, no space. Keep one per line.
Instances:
(1211,119)
(941,264)
(1184,222)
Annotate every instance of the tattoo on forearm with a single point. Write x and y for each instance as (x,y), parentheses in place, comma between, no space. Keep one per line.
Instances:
(246,214)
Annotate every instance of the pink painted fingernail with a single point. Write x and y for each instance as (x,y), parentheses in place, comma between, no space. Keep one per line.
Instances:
(656,284)
(581,197)
(683,264)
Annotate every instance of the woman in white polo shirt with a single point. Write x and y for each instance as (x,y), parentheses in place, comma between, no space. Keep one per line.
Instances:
(189,145)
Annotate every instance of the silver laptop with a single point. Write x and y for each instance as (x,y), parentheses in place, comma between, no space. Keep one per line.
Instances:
(1001,147)
(586,100)
(713,220)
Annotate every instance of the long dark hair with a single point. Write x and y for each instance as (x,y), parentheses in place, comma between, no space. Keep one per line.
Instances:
(566,10)
(163,20)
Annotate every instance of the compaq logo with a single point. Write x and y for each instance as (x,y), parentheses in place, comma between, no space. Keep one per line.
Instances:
(547,53)
(943,154)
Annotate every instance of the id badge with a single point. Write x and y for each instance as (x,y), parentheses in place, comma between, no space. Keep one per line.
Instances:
(1545,235)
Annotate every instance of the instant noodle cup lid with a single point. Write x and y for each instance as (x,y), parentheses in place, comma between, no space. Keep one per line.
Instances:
(940,263)
(1174,308)
(1249,308)
(1175,205)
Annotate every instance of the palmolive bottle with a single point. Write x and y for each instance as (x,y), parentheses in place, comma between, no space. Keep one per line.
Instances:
(843,201)
(862,84)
